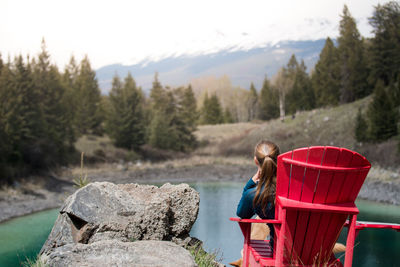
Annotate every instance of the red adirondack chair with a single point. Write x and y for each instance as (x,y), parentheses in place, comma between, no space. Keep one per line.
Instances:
(315,195)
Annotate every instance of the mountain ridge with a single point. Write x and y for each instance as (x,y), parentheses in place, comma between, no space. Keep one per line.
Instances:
(241,66)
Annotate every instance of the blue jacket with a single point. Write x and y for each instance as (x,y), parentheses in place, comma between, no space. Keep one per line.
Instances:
(245,209)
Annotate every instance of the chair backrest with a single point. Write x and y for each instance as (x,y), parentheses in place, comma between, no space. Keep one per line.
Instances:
(323,175)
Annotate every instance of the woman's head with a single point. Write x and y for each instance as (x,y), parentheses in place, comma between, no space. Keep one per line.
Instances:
(265,156)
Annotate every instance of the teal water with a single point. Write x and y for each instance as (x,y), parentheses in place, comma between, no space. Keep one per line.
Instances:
(376,247)
(23,237)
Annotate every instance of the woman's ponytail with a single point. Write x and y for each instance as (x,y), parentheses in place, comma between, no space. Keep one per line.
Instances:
(266,154)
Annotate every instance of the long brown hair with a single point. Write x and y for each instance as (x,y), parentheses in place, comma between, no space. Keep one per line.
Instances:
(266,154)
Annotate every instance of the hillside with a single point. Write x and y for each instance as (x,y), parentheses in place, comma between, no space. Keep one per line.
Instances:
(333,126)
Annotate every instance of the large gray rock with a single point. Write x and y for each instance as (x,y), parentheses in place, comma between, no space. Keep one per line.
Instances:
(117,253)
(125,213)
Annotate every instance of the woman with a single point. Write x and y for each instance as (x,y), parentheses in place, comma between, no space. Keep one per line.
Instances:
(259,193)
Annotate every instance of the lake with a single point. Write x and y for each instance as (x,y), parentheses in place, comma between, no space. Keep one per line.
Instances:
(23,237)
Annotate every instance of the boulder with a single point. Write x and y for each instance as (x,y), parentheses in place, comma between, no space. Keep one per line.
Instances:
(121,213)
(117,253)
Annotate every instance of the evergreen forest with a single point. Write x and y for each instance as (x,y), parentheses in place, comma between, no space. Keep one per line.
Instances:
(44,110)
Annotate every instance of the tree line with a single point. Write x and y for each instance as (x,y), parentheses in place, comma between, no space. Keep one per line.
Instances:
(43,111)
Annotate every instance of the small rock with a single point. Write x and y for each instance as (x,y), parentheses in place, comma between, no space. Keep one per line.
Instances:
(121,167)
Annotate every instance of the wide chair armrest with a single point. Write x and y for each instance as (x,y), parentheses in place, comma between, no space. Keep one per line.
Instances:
(347,208)
(235,219)
(360,225)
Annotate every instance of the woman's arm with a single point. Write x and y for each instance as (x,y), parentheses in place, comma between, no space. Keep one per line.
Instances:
(245,208)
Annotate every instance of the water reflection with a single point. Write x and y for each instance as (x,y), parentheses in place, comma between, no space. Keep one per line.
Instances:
(218,202)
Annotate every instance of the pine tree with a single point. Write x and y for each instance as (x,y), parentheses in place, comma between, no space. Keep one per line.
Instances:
(361,128)
(58,135)
(187,107)
(9,129)
(159,131)
(71,96)
(381,115)
(353,71)
(384,52)
(173,118)
(326,76)
(1,63)
(228,116)
(301,96)
(269,108)
(394,91)
(70,75)
(89,117)
(29,110)
(163,130)
(157,95)
(184,123)
(292,67)
(126,121)
(212,110)
(252,103)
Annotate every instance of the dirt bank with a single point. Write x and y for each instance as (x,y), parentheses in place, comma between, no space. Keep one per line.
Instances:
(32,195)
(19,200)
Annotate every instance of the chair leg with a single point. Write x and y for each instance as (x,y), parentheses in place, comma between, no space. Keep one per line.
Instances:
(281,240)
(246,230)
(351,236)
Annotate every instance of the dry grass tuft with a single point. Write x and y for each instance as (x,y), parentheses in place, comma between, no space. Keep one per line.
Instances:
(101,149)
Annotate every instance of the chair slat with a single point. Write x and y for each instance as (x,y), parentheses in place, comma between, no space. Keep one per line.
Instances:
(295,192)
(354,182)
(282,188)
(312,228)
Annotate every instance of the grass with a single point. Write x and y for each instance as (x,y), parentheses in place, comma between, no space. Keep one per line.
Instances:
(202,258)
(33,263)
(326,126)
(102,149)
(82,179)
(330,126)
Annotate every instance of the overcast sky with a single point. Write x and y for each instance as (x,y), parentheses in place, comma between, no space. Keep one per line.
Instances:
(130,31)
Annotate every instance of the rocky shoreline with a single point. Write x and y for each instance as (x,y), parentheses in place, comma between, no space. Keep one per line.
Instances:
(24,202)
